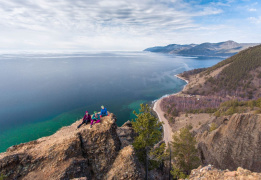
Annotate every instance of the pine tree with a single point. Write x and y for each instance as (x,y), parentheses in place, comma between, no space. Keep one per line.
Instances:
(148,128)
(184,151)
(157,155)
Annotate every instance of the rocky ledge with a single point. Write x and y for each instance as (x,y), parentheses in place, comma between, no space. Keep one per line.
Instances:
(209,172)
(87,153)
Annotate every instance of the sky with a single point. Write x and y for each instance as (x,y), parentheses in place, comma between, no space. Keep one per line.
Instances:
(84,25)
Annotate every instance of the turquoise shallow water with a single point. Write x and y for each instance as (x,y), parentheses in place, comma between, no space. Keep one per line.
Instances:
(40,93)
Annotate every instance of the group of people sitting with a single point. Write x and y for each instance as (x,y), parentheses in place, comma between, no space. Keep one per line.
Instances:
(95,118)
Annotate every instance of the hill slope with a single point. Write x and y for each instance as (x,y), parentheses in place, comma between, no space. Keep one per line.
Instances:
(227,48)
(238,76)
(213,104)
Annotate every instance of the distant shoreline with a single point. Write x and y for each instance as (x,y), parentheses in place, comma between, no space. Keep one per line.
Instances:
(177,75)
(167,130)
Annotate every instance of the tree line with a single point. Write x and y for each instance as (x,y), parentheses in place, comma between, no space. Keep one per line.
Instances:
(181,152)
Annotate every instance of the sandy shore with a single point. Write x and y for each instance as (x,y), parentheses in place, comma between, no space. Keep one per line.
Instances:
(167,136)
(181,78)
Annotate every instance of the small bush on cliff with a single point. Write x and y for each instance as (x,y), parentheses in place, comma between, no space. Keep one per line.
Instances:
(185,152)
(148,128)
(2,176)
(177,173)
(189,126)
(212,127)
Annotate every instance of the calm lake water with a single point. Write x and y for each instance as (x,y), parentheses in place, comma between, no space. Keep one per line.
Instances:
(40,93)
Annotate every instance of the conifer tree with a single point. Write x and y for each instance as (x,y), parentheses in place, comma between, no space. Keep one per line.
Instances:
(184,152)
(158,155)
(147,127)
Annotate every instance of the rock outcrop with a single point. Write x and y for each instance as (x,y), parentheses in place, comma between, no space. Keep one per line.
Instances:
(235,143)
(209,172)
(125,166)
(85,153)
(126,134)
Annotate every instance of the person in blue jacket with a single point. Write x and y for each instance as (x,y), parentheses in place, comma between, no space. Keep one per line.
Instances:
(104,111)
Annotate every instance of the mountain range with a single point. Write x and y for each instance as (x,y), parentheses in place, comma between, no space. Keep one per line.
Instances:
(227,48)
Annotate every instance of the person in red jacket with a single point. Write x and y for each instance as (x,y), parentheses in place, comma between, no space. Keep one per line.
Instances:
(87,118)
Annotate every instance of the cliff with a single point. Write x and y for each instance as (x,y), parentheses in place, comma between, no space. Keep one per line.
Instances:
(93,153)
(235,143)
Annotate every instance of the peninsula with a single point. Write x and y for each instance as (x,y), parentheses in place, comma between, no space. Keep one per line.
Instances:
(224,49)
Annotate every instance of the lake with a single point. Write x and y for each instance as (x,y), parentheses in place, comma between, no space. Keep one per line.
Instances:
(40,93)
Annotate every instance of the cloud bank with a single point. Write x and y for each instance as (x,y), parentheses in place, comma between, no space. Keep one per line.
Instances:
(123,25)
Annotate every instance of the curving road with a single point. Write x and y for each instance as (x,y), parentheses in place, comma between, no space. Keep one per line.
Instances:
(167,131)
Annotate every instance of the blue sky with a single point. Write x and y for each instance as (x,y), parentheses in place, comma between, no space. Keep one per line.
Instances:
(125,25)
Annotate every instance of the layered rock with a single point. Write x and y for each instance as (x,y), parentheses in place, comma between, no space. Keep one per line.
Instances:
(235,143)
(92,153)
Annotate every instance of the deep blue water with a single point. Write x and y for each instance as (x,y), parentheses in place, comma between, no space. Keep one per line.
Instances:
(40,93)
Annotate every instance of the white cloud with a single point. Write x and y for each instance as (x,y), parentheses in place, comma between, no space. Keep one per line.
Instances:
(252,9)
(256,20)
(101,24)
(67,20)
(209,11)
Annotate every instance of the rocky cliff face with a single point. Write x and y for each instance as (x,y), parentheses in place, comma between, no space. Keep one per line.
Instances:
(93,153)
(126,134)
(235,143)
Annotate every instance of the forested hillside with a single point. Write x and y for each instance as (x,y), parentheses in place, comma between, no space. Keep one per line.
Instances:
(239,76)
